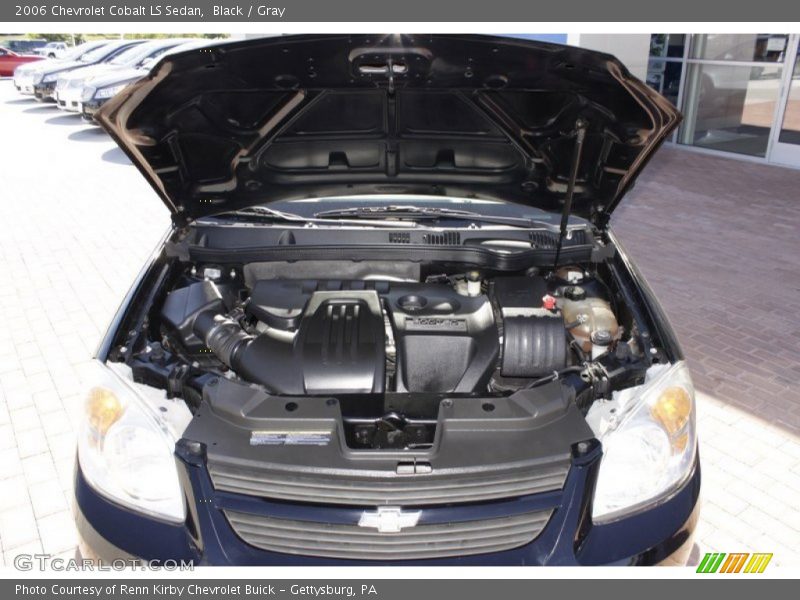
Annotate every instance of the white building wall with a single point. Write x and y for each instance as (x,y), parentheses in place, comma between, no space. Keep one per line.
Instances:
(630,48)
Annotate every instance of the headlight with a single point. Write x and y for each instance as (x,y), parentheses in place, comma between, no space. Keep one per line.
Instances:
(649,441)
(48,78)
(125,448)
(87,93)
(108,92)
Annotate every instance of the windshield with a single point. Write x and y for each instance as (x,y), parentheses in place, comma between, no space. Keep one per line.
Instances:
(99,53)
(131,55)
(309,207)
(405,210)
(79,51)
(135,55)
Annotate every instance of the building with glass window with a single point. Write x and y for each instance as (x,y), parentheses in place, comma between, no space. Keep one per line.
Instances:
(739,93)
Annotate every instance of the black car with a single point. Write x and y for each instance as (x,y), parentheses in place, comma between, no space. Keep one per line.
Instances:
(390,323)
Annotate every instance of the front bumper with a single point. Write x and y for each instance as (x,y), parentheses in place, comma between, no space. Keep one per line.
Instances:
(45,92)
(24,85)
(661,535)
(90,107)
(69,99)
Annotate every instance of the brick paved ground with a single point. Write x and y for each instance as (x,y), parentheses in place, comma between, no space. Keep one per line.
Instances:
(717,239)
(77,227)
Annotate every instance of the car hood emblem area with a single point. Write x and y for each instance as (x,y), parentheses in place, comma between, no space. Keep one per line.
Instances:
(389,519)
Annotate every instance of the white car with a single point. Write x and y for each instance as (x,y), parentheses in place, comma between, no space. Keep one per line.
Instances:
(24,75)
(53,50)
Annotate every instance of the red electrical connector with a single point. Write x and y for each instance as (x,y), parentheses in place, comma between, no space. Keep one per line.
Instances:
(548,302)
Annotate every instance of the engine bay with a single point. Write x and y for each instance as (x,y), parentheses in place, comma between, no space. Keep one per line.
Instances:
(388,340)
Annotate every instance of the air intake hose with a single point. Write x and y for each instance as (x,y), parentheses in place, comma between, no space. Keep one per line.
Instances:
(260,359)
(223,336)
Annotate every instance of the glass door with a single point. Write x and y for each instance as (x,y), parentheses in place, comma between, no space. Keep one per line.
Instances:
(731,91)
(786,144)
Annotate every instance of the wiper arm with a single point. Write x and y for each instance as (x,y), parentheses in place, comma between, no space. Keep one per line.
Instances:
(270,214)
(266,213)
(418,213)
(397,211)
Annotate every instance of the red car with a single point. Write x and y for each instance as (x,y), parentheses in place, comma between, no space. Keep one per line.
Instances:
(11,60)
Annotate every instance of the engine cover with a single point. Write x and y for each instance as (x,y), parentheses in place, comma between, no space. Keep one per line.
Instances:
(338,347)
(445,342)
(341,343)
(339,336)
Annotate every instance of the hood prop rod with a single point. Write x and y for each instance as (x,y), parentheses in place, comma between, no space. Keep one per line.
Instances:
(580,136)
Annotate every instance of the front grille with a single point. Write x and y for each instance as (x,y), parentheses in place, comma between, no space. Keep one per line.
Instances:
(352,542)
(400,490)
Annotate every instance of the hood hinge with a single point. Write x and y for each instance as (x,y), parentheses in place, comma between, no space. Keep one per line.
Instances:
(601,219)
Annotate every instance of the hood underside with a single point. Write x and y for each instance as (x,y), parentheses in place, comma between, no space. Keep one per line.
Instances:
(224,127)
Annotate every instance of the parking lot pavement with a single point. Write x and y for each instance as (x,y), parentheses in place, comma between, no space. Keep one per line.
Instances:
(716,238)
(78,223)
(719,240)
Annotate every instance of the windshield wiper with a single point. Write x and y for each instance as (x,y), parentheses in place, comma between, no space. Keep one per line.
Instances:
(264,213)
(398,213)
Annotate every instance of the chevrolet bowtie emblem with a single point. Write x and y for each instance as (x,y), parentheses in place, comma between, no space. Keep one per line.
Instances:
(388,519)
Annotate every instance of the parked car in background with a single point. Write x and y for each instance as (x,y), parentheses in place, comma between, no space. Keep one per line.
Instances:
(24,75)
(69,86)
(11,60)
(100,89)
(53,49)
(23,46)
(44,83)
(391,322)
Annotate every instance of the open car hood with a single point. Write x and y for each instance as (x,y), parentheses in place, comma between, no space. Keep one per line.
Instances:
(223,127)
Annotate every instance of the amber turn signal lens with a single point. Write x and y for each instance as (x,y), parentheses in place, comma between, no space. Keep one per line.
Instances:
(103,409)
(672,409)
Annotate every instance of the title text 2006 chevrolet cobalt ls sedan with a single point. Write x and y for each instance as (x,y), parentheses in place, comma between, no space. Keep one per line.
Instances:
(390,323)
